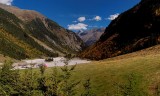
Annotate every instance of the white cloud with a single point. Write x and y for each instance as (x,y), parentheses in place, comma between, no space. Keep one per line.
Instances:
(97,18)
(7,2)
(112,17)
(79,26)
(81,19)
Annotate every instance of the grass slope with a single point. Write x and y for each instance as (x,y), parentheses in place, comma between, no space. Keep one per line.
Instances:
(106,73)
(141,67)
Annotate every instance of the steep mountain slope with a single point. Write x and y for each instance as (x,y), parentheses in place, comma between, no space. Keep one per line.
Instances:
(91,36)
(133,30)
(25,15)
(28,34)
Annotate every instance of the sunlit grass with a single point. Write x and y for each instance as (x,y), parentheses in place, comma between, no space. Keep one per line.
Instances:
(107,75)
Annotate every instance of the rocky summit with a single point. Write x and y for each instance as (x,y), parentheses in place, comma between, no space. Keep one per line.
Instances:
(91,36)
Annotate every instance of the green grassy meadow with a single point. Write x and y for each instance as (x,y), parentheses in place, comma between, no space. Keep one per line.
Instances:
(106,74)
(134,74)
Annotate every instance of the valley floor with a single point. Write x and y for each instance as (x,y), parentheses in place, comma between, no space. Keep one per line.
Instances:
(58,61)
(135,73)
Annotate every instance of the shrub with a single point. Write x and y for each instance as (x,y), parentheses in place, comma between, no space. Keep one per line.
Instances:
(37,83)
(132,87)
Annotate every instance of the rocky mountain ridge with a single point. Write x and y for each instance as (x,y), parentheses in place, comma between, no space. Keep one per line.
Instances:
(136,29)
(91,36)
(30,31)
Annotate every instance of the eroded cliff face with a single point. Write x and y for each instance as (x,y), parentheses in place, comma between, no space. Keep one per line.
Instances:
(133,30)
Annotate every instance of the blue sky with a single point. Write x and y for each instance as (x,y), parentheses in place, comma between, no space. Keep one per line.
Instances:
(91,13)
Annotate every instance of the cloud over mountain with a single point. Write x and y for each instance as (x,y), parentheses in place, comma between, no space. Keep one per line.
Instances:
(79,26)
(7,2)
(112,17)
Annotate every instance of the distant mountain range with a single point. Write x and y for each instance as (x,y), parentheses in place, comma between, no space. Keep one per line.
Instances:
(29,34)
(91,36)
(135,29)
